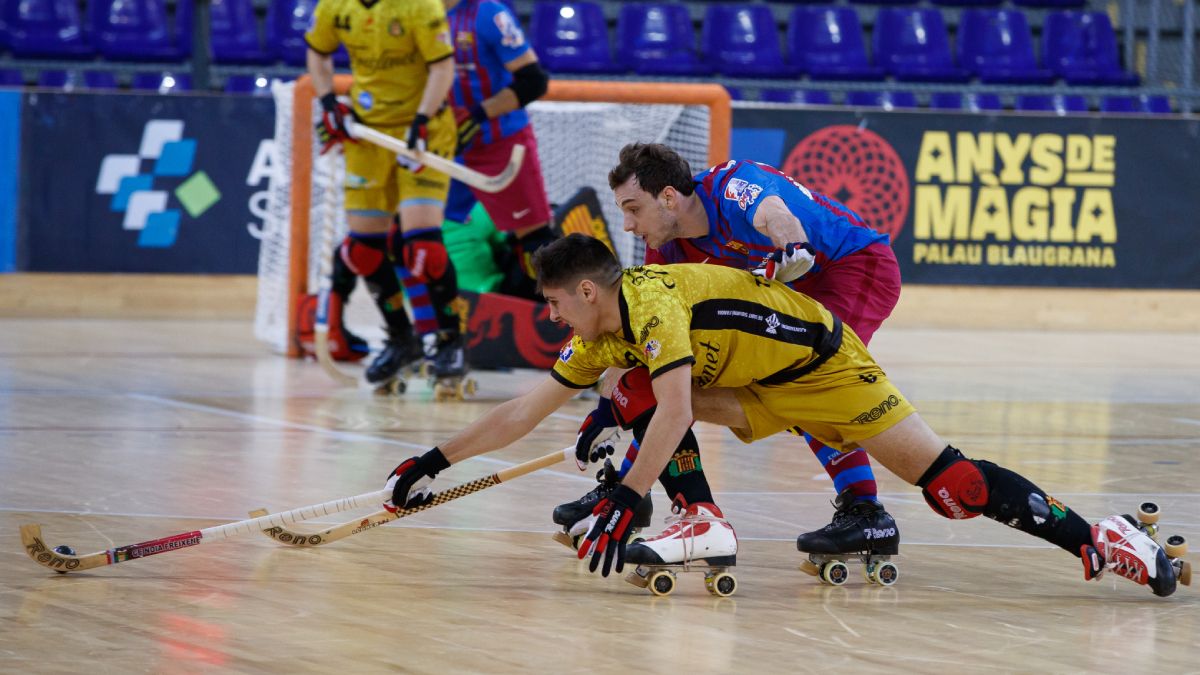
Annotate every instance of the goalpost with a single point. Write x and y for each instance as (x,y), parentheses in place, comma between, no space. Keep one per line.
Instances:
(580,127)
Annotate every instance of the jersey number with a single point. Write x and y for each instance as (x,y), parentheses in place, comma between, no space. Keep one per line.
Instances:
(341,22)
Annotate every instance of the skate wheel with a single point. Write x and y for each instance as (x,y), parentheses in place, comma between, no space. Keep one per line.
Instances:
(1183,572)
(809,567)
(565,539)
(443,392)
(466,388)
(835,573)
(885,574)
(397,386)
(1148,513)
(721,584)
(1176,546)
(661,582)
(424,370)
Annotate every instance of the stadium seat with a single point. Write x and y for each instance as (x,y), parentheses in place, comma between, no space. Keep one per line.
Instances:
(1120,104)
(802,96)
(233,31)
(4,32)
(1159,105)
(881,99)
(57,79)
(163,83)
(976,102)
(45,29)
(572,37)
(99,79)
(997,45)
(735,93)
(11,77)
(968,3)
(1059,103)
(255,85)
(1082,48)
(827,43)
(743,41)
(1051,3)
(884,2)
(657,39)
(287,21)
(912,44)
(141,30)
(946,100)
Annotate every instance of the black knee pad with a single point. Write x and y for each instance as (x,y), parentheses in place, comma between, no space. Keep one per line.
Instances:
(343,278)
(954,486)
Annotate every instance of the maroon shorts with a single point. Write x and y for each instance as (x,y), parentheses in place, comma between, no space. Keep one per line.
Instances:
(862,288)
(523,203)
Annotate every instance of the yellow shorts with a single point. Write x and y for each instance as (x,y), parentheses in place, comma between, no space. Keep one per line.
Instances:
(375,182)
(846,400)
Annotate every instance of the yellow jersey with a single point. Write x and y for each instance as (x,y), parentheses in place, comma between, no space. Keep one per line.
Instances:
(391,43)
(730,327)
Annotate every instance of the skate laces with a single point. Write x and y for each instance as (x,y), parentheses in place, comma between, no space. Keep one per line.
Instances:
(1120,556)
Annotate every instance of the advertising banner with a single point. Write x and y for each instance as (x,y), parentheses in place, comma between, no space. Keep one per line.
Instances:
(10,149)
(143,183)
(1020,200)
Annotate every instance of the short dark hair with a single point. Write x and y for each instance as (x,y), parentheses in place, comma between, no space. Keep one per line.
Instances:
(655,165)
(573,258)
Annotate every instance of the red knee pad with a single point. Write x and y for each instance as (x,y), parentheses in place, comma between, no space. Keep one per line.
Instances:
(360,258)
(426,259)
(959,491)
(633,398)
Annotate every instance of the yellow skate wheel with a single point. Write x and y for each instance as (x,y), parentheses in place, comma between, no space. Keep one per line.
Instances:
(1184,573)
(397,386)
(661,582)
(835,573)
(1176,546)
(721,584)
(809,567)
(466,388)
(885,574)
(1148,513)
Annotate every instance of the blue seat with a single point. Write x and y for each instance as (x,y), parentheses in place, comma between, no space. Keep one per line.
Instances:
(45,28)
(997,45)
(946,100)
(881,99)
(1082,48)
(743,41)
(912,44)
(287,22)
(99,79)
(163,83)
(884,2)
(827,43)
(142,30)
(1120,104)
(1159,105)
(1058,103)
(57,79)
(968,3)
(233,32)
(572,37)
(801,96)
(4,31)
(657,39)
(11,77)
(976,102)
(255,85)
(735,93)
(1050,3)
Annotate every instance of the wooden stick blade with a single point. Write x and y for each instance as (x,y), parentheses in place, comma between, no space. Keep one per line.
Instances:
(46,556)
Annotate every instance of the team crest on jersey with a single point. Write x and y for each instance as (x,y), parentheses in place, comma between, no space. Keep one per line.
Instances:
(511,34)
(444,38)
(567,352)
(366,100)
(395,29)
(651,349)
(742,192)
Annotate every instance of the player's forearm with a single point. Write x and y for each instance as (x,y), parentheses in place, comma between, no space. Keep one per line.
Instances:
(502,103)
(437,87)
(775,220)
(320,70)
(500,426)
(663,435)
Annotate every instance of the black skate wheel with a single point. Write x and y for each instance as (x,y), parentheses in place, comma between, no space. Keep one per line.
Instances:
(662,582)
(1176,546)
(835,573)
(885,574)
(721,584)
(1148,513)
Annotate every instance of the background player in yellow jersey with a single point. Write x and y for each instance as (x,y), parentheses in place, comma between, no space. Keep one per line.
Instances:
(748,353)
(402,62)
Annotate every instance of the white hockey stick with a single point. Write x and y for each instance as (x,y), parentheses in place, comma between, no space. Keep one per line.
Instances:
(449,167)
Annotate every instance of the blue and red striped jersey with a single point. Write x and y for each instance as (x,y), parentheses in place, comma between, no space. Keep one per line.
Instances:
(486,36)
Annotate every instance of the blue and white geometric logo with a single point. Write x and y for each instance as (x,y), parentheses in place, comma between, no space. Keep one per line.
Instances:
(165,153)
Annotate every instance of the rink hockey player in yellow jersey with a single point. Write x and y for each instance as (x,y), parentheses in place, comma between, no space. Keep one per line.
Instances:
(403,67)
(735,349)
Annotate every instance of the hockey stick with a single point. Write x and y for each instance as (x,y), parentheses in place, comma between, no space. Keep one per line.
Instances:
(449,167)
(31,536)
(310,539)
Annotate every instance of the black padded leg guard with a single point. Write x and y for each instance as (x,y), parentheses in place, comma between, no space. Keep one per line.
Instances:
(684,474)
(369,256)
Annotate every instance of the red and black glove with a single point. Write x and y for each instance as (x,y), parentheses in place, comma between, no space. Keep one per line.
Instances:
(410,481)
(610,533)
(789,263)
(418,133)
(597,435)
(332,128)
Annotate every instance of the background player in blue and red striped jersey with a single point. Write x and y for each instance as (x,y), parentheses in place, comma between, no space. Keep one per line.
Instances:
(752,216)
(496,74)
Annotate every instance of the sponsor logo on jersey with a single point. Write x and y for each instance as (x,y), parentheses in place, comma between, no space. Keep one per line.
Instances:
(567,352)
(465,39)
(652,349)
(444,38)
(511,35)
(395,28)
(772,324)
(366,100)
(878,411)
(355,182)
(742,192)
(645,332)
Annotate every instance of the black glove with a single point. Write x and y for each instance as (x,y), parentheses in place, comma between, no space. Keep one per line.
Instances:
(597,435)
(418,133)
(410,481)
(468,128)
(610,532)
(332,128)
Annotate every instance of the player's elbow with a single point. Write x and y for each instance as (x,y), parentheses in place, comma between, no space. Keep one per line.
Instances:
(530,82)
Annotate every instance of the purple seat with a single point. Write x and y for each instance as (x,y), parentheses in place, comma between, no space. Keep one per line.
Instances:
(1082,48)
(11,77)
(976,102)
(657,39)
(142,30)
(287,22)
(254,85)
(735,93)
(743,41)
(827,43)
(881,99)
(1050,3)
(912,44)
(1159,105)
(968,3)
(57,79)
(1119,104)
(99,79)
(233,31)
(45,29)
(163,83)
(997,45)
(1059,103)
(946,100)
(572,37)
(801,96)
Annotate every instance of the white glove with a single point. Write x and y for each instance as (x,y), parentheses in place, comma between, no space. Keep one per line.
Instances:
(787,264)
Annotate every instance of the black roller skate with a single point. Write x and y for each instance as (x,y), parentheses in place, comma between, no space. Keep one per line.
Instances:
(861,530)
(448,367)
(386,371)
(573,516)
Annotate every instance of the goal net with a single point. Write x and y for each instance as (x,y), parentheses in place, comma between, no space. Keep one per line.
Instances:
(580,127)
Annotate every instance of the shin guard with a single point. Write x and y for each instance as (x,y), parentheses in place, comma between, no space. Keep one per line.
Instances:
(430,280)
(366,256)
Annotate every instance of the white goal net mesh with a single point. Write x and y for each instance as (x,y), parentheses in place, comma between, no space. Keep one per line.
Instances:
(578,143)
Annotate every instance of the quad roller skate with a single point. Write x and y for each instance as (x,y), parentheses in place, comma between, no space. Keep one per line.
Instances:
(447,369)
(698,539)
(574,516)
(861,531)
(387,372)
(1129,547)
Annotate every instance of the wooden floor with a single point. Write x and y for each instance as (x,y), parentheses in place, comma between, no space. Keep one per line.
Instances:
(114,432)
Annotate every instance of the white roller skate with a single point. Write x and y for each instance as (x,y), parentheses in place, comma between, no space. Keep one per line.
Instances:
(698,539)
(1128,548)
